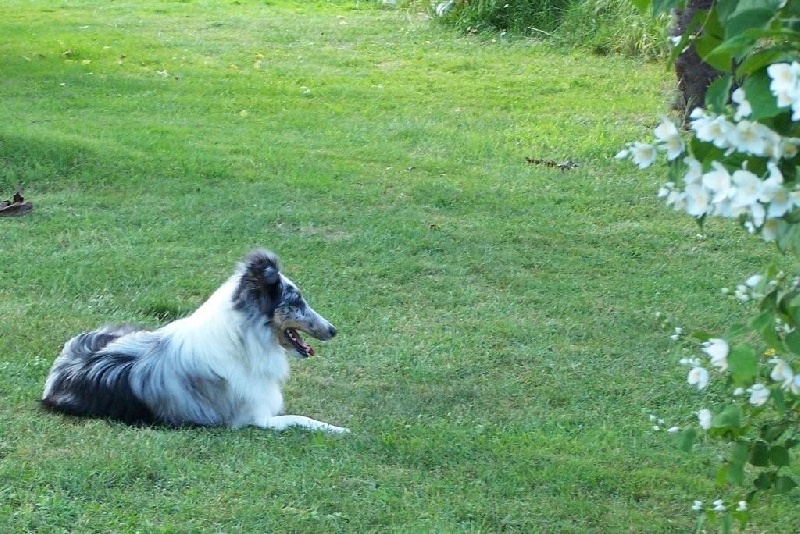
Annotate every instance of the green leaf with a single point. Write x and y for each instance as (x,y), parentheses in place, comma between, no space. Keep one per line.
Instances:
(642,5)
(706,47)
(737,462)
(729,417)
(735,330)
(765,319)
(745,19)
(771,432)
(784,484)
(701,335)
(779,456)
(763,103)
(792,339)
(722,55)
(739,453)
(718,93)
(762,58)
(759,455)
(770,303)
(764,481)
(724,9)
(778,400)
(686,439)
(665,6)
(727,524)
(722,475)
(743,364)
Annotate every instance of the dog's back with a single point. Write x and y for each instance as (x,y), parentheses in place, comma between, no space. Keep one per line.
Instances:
(89,380)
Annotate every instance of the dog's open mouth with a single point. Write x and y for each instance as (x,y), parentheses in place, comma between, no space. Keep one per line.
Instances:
(300,346)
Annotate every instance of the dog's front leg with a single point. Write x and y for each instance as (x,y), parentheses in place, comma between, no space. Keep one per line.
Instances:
(282,422)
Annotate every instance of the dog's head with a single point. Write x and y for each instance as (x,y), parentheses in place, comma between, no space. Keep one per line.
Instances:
(267,296)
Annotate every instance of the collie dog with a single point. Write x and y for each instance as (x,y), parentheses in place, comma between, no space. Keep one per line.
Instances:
(223,365)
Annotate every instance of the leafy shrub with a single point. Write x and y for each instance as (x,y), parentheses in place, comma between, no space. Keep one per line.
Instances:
(525,17)
(613,27)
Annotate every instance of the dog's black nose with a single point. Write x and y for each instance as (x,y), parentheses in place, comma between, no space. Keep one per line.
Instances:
(332,330)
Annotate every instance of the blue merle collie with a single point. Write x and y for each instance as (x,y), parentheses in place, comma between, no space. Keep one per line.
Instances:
(221,366)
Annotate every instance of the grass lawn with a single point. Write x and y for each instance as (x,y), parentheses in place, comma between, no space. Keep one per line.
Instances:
(498,354)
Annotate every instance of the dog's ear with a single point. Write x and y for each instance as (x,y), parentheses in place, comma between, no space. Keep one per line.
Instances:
(259,286)
(264,266)
(271,275)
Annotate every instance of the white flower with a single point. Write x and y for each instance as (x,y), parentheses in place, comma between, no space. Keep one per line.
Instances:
(780,199)
(794,387)
(718,181)
(669,137)
(758,214)
(742,506)
(759,394)
(789,147)
(771,229)
(719,506)
(743,106)
(698,200)
(698,376)
(750,138)
(695,172)
(742,293)
(748,188)
(782,372)
(717,350)
(673,429)
(697,506)
(712,129)
(704,417)
(754,280)
(643,154)
(784,82)
(738,392)
(676,335)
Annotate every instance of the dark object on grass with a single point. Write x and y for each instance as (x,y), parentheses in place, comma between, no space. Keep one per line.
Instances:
(17,206)
(565,166)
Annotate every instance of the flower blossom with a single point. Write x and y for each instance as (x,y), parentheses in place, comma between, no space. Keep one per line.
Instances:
(698,376)
(783,84)
(742,506)
(715,130)
(669,139)
(794,387)
(719,506)
(704,417)
(717,350)
(782,372)
(697,506)
(718,182)
(743,108)
(642,154)
(759,394)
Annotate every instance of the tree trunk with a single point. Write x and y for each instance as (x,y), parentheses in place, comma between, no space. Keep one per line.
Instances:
(694,76)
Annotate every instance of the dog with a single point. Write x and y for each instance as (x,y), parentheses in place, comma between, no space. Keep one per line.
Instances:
(222,366)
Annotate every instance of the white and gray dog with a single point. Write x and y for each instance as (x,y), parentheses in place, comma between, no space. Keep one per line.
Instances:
(221,366)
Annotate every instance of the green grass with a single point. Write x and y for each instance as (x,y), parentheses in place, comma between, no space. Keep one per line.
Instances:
(498,353)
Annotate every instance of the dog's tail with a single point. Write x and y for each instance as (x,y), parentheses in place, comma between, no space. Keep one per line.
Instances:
(88,379)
